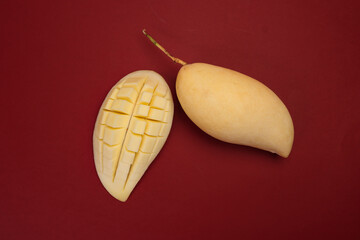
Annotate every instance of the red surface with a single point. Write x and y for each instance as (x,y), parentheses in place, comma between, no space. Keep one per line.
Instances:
(58,59)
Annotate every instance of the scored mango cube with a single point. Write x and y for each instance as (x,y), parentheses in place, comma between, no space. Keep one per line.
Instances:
(127,156)
(121,105)
(141,161)
(138,126)
(114,136)
(156,114)
(110,157)
(103,116)
(142,111)
(114,93)
(167,117)
(133,142)
(116,120)
(99,131)
(158,102)
(127,93)
(153,128)
(122,173)
(147,144)
(149,86)
(163,131)
(161,90)
(136,83)
(145,97)
(108,104)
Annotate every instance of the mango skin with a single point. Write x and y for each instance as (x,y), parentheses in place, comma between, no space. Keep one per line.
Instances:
(235,108)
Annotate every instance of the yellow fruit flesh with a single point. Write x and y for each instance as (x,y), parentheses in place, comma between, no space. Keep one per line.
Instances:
(235,108)
(131,128)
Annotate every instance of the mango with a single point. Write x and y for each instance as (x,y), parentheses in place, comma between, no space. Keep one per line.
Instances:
(233,107)
(131,128)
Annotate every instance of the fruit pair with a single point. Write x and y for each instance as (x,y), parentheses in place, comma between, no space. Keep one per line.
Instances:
(136,116)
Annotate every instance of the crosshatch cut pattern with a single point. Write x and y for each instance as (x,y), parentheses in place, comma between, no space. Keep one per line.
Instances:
(131,128)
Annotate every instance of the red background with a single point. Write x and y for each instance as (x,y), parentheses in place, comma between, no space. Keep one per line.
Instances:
(58,59)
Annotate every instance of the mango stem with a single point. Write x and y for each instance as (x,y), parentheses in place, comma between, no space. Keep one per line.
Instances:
(177,60)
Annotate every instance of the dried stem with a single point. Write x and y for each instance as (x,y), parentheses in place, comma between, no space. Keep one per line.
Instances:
(177,60)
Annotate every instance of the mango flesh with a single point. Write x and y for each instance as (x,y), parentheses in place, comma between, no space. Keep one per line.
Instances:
(235,108)
(132,126)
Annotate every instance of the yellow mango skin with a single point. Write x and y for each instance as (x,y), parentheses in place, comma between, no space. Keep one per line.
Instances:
(132,126)
(235,108)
